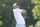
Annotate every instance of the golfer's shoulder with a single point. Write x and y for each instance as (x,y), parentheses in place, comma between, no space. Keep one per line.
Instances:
(16,9)
(13,10)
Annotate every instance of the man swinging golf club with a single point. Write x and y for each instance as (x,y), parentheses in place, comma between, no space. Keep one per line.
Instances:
(20,22)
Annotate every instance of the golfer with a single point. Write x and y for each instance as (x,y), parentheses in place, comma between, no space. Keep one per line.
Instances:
(20,22)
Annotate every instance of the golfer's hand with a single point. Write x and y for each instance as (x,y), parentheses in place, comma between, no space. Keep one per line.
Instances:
(24,11)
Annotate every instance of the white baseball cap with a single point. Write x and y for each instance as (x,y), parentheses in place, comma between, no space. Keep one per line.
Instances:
(14,4)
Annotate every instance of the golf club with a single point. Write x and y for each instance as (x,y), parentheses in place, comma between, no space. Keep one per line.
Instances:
(4,5)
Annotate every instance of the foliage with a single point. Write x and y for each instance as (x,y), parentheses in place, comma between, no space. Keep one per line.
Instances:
(36,12)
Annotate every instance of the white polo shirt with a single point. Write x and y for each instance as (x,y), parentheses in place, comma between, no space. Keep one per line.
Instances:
(18,16)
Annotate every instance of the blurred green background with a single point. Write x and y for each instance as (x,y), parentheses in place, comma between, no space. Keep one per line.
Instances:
(7,17)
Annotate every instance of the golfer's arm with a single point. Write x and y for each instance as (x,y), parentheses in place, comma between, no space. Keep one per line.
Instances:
(23,11)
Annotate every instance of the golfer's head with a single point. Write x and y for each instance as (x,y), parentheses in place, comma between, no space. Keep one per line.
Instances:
(15,5)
